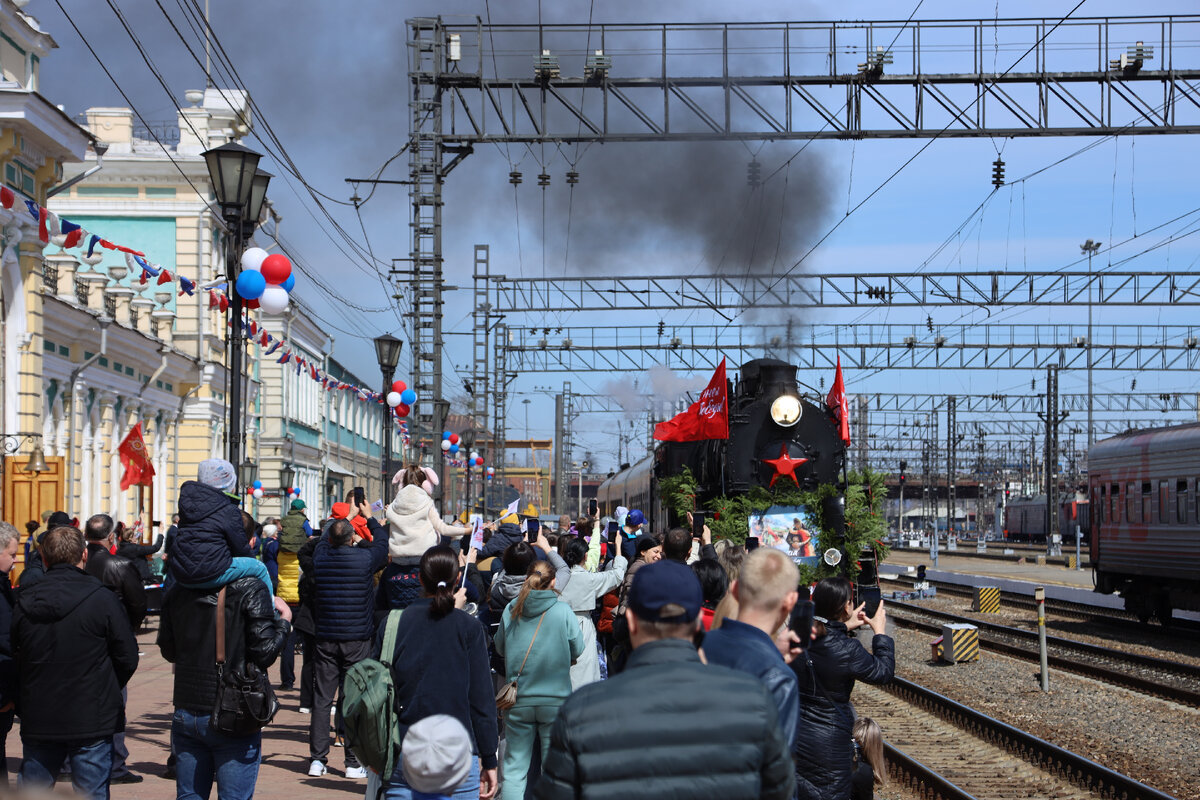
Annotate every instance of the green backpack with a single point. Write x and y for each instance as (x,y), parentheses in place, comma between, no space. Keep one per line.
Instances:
(369,707)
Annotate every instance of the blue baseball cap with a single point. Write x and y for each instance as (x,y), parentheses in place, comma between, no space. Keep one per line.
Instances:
(635,517)
(666,591)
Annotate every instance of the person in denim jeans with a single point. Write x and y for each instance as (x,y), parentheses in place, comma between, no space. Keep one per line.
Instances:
(254,634)
(70,704)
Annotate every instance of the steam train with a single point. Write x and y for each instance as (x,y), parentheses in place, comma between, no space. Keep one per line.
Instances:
(1025,519)
(769,420)
(1144,489)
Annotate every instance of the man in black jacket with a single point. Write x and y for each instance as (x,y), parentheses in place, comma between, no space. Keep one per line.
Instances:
(35,570)
(120,575)
(254,636)
(654,730)
(345,624)
(10,539)
(74,651)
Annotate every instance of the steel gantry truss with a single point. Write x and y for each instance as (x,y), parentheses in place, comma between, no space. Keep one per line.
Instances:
(914,289)
(862,347)
(819,80)
(474,83)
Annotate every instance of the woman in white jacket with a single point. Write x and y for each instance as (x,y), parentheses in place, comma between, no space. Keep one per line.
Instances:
(414,526)
(581,593)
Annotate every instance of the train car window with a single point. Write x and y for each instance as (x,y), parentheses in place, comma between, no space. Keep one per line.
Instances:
(1163,501)
(1132,500)
(1114,497)
(1147,498)
(1098,502)
(1181,501)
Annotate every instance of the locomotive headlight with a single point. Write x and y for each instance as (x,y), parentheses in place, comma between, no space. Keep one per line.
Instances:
(785,410)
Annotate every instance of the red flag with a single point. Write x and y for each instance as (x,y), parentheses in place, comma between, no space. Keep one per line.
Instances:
(838,405)
(707,418)
(138,471)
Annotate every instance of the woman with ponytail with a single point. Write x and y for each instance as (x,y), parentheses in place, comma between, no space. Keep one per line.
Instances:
(440,666)
(539,639)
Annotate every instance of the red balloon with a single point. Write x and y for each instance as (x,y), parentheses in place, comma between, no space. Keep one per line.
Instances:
(276,268)
(454,438)
(402,410)
(250,303)
(399,386)
(479,462)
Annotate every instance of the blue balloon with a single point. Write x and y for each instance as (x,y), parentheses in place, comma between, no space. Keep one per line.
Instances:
(453,449)
(251,284)
(258,484)
(290,283)
(445,434)
(297,492)
(408,397)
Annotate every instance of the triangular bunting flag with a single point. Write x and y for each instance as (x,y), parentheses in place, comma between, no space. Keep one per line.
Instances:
(165,277)
(187,287)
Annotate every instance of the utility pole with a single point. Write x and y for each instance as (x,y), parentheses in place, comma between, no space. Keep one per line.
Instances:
(560,489)
(1052,418)
(951,457)
(1089,248)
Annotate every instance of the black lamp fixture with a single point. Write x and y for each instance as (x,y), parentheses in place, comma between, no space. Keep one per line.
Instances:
(232,168)
(247,473)
(288,476)
(258,195)
(387,350)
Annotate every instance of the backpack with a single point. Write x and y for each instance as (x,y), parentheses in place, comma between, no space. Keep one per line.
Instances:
(369,706)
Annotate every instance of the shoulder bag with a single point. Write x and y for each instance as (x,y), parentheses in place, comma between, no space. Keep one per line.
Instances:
(506,698)
(242,707)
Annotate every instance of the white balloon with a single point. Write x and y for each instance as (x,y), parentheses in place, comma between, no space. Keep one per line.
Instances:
(474,456)
(258,493)
(274,300)
(393,399)
(253,258)
(445,444)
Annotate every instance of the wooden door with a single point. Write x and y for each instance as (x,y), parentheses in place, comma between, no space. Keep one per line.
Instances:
(28,494)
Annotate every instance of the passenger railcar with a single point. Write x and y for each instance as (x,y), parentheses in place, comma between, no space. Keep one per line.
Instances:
(1025,519)
(768,419)
(1145,541)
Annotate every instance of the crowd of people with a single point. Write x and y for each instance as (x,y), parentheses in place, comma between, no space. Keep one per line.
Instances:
(598,660)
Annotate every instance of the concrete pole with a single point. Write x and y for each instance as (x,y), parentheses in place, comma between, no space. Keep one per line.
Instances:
(1039,594)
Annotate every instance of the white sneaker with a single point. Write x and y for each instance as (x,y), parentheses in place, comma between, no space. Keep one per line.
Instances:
(356,772)
(305,710)
(316,769)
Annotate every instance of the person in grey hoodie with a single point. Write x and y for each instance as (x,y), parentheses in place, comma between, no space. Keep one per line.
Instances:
(508,580)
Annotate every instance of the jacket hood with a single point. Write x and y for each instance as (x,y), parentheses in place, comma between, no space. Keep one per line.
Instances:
(539,602)
(411,500)
(197,502)
(64,589)
(510,530)
(507,586)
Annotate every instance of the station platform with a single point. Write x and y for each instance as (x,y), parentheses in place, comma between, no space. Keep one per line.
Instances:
(282,775)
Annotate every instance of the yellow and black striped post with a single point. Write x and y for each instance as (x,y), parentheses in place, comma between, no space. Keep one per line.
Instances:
(987,600)
(960,642)
(1072,562)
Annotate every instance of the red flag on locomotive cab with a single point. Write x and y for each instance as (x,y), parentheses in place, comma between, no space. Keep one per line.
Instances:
(838,405)
(707,418)
(138,471)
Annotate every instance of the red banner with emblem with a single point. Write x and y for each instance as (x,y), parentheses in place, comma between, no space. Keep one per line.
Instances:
(138,471)
(707,418)
(838,405)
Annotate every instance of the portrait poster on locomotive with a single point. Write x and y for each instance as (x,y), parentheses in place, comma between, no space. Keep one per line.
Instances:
(790,529)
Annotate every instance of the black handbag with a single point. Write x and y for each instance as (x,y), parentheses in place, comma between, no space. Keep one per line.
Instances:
(242,707)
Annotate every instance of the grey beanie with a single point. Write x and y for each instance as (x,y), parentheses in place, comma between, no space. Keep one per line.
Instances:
(217,473)
(436,754)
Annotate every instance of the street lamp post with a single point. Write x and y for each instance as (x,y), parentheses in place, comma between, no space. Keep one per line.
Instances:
(241,189)
(387,350)
(1089,248)
(467,438)
(288,476)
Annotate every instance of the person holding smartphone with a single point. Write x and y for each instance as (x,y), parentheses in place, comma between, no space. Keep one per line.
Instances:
(823,750)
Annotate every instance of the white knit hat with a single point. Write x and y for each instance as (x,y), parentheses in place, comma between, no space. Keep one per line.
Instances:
(436,755)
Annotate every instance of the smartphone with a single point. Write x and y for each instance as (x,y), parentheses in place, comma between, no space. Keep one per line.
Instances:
(613,528)
(800,621)
(751,543)
(360,496)
(871,596)
(532,526)
(593,508)
(697,524)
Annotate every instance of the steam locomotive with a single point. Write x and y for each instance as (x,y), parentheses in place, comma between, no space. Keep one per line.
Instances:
(771,427)
(1144,488)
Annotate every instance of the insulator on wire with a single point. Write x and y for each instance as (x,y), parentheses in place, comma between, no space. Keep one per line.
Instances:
(754,173)
(572,178)
(514,178)
(998,173)
(543,179)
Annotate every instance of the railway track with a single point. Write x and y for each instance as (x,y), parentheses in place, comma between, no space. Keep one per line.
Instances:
(928,751)
(1158,677)
(1114,617)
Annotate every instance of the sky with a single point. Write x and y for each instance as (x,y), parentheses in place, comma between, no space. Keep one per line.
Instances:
(331,82)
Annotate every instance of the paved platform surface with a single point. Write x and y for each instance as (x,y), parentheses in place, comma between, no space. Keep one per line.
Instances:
(285,742)
(1029,571)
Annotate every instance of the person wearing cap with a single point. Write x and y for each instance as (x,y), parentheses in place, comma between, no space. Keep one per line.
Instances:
(632,528)
(348,512)
(34,569)
(294,532)
(766,590)
(665,737)
(436,757)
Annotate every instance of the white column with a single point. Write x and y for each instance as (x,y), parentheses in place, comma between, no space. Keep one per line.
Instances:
(84,469)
